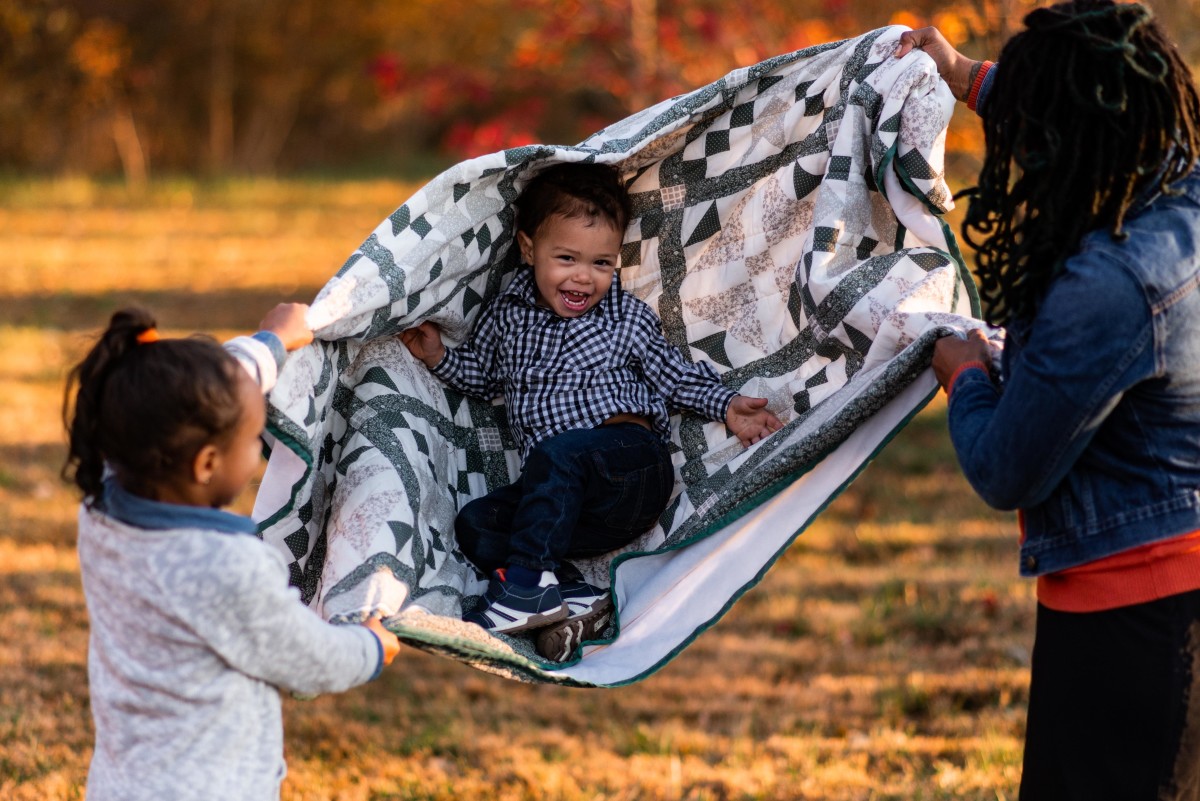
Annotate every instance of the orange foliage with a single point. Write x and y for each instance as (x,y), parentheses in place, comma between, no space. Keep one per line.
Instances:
(375,71)
(907,18)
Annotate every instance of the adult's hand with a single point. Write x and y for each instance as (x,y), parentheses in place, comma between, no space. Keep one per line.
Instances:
(952,352)
(955,68)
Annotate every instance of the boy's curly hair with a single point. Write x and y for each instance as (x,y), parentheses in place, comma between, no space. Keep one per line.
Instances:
(594,191)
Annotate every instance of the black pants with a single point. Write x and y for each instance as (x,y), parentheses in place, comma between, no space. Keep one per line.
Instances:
(1114,704)
(583,493)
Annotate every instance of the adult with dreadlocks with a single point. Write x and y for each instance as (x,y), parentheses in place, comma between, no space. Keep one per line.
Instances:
(1086,222)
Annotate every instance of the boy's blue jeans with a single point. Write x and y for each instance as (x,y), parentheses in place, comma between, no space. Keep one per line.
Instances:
(582,493)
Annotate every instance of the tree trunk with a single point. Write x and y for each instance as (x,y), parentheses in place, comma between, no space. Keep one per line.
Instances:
(644,19)
(220,92)
(129,146)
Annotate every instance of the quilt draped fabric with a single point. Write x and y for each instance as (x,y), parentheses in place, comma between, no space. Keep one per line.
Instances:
(786,229)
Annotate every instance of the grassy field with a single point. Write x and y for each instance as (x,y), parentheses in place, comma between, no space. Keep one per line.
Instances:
(884,657)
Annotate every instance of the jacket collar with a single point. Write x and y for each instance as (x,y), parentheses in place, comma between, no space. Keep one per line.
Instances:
(144,513)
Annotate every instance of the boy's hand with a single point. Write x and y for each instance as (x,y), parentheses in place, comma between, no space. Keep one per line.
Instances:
(287,322)
(389,641)
(425,342)
(750,420)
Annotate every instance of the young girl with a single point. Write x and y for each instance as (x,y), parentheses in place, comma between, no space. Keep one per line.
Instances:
(193,625)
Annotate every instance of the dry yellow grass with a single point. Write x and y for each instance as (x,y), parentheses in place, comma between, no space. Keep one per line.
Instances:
(884,657)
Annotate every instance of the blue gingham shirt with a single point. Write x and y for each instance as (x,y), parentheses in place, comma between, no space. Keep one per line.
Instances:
(563,373)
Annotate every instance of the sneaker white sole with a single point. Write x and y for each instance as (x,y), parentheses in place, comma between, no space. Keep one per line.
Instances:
(558,642)
(509,621)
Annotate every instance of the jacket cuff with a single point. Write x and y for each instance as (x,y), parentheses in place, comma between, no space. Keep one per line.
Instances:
(258,358)
(976,93)
(964,367)
(379,659)
(272,341)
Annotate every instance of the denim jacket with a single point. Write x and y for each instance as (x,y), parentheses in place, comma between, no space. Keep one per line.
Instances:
(1094,433)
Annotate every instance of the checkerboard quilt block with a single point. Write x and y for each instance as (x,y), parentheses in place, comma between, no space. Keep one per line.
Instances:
(787,229)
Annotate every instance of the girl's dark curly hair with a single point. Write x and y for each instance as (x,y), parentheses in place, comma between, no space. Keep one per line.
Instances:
(145,410)
(1092,105)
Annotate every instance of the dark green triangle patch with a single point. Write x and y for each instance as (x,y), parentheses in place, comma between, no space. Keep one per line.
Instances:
(454,399)
(767,81)
(350,262)
(794,306)
(377,375)
(422,226)
(860,341)
(714,346)
(742,115)
(344,465)
(801,402)
(297,542)
(470,299)
(929,261)
(805,182)
(400,218)
(403,532)
(709,224)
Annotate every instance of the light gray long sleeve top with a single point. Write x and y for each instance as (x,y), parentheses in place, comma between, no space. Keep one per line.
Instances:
(193,630)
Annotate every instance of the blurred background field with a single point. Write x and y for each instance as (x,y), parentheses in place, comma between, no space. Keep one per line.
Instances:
(208,159)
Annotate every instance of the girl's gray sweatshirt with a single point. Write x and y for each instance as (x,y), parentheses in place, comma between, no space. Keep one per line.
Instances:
(193,630)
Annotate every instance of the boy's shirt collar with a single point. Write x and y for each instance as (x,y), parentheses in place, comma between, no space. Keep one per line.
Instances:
(144,513)
(524,287)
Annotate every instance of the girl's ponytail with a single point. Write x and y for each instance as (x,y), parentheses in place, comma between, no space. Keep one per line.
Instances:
(85,461)
(143,407)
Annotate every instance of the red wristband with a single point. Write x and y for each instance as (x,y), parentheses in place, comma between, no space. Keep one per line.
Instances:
(971,365)
(973,95)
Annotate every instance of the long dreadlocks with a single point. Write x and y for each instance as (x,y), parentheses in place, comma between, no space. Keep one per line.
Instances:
(1092,105)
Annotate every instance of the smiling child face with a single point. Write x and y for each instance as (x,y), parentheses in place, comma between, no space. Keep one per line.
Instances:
(573,260)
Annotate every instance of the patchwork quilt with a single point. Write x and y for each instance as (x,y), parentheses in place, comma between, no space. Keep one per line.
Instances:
(786,229)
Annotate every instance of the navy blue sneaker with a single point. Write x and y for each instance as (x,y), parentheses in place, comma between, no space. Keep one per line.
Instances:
(510,607)
(591,611)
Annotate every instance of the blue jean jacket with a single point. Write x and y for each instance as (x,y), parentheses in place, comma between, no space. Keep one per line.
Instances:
(1094,432)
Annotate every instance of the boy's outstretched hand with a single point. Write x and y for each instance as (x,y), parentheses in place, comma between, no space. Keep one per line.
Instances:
(750,420)
(425,342)
(389,641)
(287,321)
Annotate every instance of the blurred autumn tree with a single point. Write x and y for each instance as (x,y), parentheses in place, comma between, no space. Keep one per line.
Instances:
(261,86)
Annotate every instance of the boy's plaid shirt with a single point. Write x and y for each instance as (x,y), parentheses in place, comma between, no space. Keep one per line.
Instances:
(559,374)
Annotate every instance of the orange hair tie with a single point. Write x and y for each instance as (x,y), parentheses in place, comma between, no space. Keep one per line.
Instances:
(148,336)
